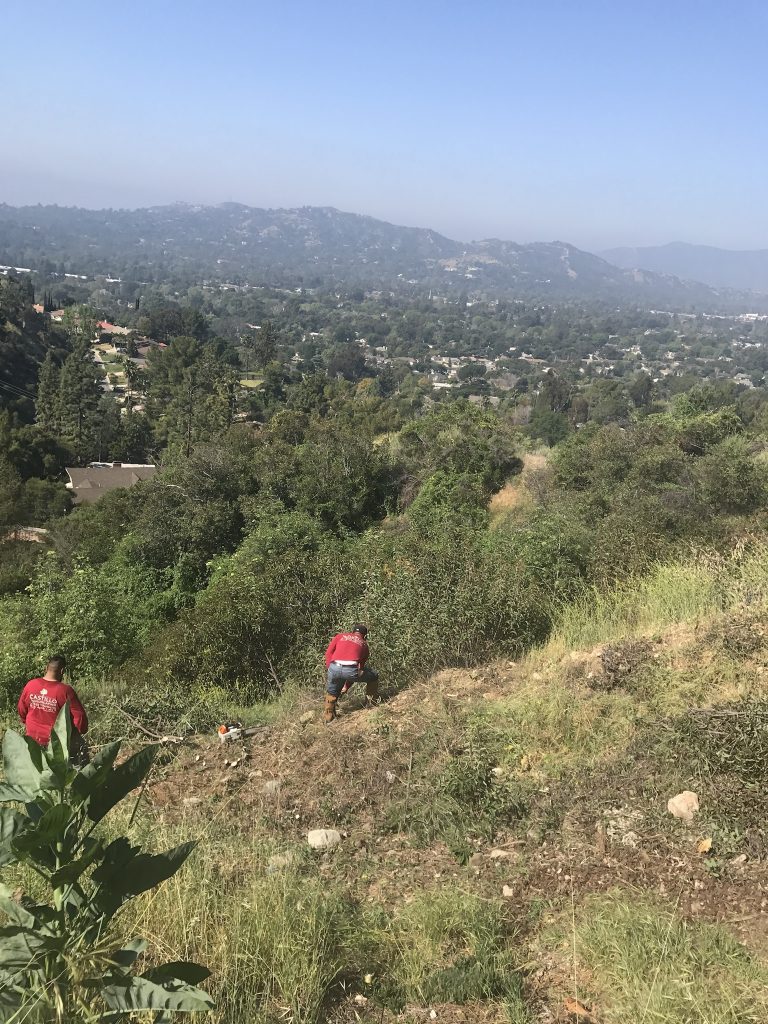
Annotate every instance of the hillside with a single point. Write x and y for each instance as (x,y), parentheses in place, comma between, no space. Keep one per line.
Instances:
(506,851)
(314,246)
(745,270)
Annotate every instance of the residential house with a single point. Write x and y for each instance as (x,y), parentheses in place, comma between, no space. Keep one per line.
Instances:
(94,481)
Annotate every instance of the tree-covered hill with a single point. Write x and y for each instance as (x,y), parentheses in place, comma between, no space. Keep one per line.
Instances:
(320,246)
(25,338)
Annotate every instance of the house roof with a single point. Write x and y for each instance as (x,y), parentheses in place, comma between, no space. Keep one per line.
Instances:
(91,483)
(107,328)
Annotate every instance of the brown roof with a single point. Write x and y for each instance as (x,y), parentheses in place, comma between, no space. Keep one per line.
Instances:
(91,483)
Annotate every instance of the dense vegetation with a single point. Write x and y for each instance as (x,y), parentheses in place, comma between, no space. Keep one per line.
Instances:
(322,495)
(307,481)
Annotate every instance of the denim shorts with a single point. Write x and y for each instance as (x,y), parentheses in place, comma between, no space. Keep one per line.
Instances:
(339,674)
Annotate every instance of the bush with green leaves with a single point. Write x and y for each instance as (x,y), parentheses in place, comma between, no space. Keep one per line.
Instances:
(65,959)
(99,615)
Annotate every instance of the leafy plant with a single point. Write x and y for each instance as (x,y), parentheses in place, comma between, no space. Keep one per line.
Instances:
(61,961)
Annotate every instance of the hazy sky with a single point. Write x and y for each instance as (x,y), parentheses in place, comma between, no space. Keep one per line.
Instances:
(602,123)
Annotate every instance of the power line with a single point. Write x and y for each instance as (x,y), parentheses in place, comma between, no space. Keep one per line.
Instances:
(16,390)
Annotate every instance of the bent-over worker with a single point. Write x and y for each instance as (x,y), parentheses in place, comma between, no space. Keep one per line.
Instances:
(42,699)
(345,662)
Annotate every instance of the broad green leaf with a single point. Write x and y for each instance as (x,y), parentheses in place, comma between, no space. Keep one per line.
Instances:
(11,1001)
(36,753)
(16,795)
(11,823)
(141,994)
(13,910)
(59,745)
(50,828)
(19,946)
(93,775)
(71,872)
(121,781)
(117,856)
(178,970)
(20,769)
(129,953)
(143,871)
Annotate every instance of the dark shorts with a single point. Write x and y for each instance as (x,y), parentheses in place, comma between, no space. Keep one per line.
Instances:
(338,675)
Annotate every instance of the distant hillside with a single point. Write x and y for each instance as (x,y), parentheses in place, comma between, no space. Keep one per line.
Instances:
(746,270)
(315,246)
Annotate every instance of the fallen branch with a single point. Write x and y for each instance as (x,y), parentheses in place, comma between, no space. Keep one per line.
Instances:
(148,732)
(715,713)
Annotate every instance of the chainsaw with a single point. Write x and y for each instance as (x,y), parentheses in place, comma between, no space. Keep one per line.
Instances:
(231,732)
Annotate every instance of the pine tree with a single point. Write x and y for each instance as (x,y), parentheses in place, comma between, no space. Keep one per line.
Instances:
(47,401)
(79,395)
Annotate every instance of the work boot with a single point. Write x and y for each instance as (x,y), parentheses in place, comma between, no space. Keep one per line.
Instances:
(330,708)
(372,697)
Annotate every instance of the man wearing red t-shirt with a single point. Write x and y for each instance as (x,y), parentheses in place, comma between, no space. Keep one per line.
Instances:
(345,662)
(42,699)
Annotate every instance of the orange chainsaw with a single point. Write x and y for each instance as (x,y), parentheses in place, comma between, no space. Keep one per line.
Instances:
(231,732)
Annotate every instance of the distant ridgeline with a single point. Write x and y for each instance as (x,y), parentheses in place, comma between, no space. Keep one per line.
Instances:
(319,247)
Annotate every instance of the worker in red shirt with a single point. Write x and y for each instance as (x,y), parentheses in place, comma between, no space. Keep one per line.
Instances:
(40,703)
(345,663)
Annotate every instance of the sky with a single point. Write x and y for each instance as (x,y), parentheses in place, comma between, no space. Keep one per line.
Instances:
(594,122)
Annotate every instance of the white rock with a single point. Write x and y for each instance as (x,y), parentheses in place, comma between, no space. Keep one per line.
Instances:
(501,854)
(741,859)
(507,892)
(323,838)
(684,805)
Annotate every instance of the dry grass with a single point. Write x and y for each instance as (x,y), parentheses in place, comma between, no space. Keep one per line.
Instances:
(516,494)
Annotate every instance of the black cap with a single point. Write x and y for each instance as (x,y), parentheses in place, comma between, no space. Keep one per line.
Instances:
(360,628)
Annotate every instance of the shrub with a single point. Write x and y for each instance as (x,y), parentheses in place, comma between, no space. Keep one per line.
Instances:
(63,960)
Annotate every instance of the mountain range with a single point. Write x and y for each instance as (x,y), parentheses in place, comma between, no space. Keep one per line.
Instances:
(321,246)
(719,268)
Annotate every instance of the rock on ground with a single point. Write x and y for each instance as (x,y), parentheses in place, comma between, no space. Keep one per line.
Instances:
(323,838)
(684,805)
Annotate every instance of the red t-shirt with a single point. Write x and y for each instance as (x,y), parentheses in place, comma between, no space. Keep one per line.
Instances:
(347,647)
(39,704)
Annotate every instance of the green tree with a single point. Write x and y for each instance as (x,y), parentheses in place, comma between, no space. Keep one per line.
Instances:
(79,396)
(80,323)
(346,361)
(458,438)
(47,400)
(263,344)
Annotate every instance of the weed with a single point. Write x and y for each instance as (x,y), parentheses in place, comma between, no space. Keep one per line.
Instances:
(646,964)
(451,947)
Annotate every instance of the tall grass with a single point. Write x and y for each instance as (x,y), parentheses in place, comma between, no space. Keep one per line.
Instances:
(645,965)
(278,944)
(292,944)
(680,591)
